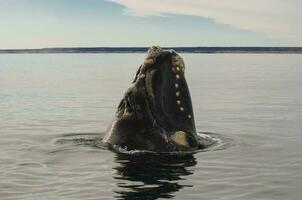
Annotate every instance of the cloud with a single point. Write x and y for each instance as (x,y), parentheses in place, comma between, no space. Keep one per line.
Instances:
(280,19)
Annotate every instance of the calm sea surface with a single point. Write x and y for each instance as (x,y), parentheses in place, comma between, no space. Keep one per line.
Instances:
(54,106)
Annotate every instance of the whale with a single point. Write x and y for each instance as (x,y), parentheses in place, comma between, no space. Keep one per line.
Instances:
(156,112)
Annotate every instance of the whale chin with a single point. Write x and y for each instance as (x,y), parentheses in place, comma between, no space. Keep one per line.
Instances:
(156,112)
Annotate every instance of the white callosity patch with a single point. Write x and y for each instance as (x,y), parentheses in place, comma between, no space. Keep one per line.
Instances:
(152,53)
(178,67)
(180,138)
(178,64)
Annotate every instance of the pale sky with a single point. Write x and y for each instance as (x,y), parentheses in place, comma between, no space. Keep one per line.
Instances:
(91,23)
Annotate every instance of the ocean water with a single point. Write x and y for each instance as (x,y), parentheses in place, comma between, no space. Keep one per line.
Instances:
(53,107)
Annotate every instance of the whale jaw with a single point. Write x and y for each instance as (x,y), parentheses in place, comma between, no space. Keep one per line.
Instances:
(156,112)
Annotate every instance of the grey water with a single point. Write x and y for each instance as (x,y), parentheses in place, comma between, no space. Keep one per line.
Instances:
(53,106)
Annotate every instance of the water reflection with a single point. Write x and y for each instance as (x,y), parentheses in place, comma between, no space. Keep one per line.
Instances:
(151,177)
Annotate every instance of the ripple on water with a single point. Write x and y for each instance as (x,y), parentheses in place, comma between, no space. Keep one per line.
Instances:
(78,165)
(208,142)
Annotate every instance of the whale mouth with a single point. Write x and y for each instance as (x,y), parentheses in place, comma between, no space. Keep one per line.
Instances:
(159,96)
(156,111)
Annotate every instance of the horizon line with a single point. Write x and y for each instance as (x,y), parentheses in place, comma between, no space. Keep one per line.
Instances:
(164,47)
(237,49)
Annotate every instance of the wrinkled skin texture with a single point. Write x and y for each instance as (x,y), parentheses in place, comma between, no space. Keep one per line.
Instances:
(156,112)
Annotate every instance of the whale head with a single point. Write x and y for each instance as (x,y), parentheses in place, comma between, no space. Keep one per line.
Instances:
(156,111)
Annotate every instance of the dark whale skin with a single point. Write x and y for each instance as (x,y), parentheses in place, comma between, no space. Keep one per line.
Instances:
(156,111)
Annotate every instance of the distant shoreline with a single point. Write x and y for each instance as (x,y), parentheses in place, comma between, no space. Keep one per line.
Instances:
(277,50)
